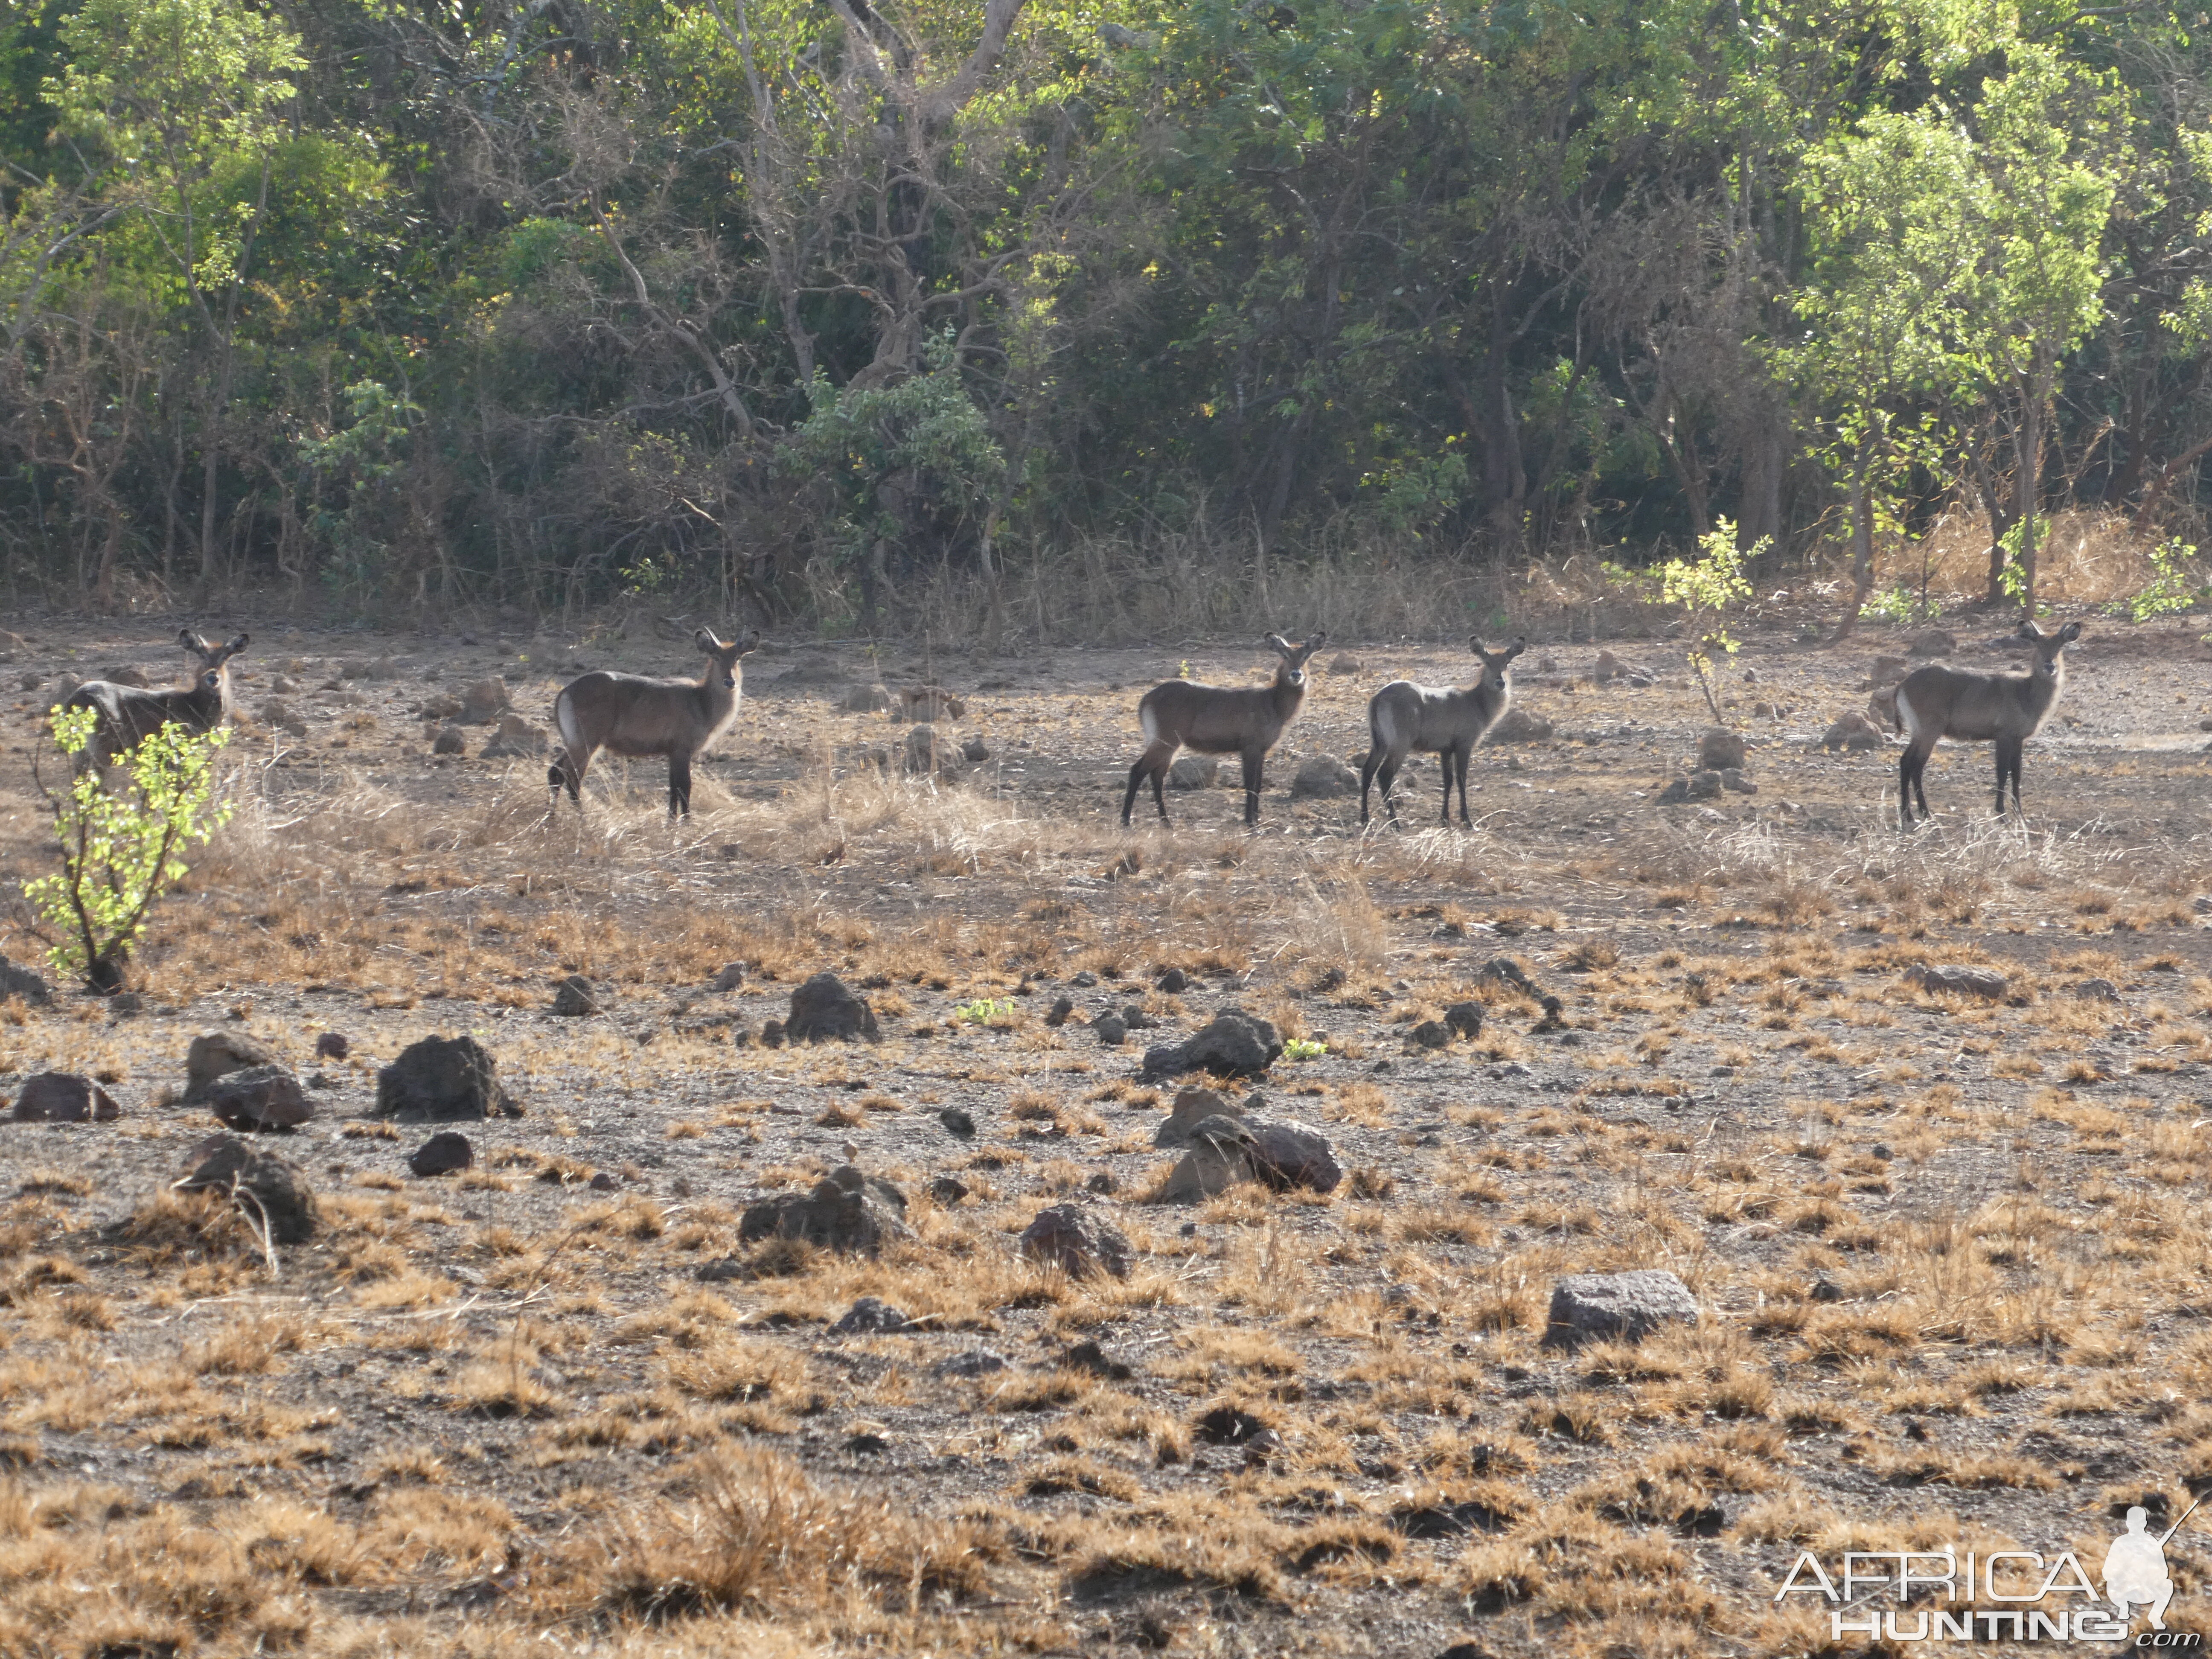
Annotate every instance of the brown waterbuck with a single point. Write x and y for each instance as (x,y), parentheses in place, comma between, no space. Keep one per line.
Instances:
(1446,721)
(1935,703)
(630,714)
(1219,720)
(128,714)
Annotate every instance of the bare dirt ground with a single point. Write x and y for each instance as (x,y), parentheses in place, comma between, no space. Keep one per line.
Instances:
(1951,1252)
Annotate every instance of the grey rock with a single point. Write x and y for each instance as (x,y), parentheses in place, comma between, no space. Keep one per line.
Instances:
(1432,1034)
(1289,1154)
(874,698)
(1174,982)
(1518,725)
(517,738)
(449,741)
(1504,971)
(1718,748)
(1220,1155)
(825,1009)
(1626,1307)
(1194,772)
(1958,979)
(1324,777)
(733,975)
(1232,1044)
(1734,780)
(332,1045)
(1464,1020)
(63,1097)
(931,703)
(976,751)
(25,982)
(870,1316)
(444,1153)
(443,1079)
(1111,1029)
(1061,1008)
(948,1190)
(266,1187)
(976,1362)
(574,998)
(1079,1243)
(1852,733)
(844,1211)
(927,754)
(214,1053)
(260,1098)
(2098,990)
(1932,642)
(958,1122)
(485,701)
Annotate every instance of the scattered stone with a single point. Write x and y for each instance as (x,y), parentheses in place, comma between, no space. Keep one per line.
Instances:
(1464,1020)
(65,1097)
(1232,1044)
(731,976)
(1932,642)
(25,982)
(269,1188)
(957,1121)
(1887,670)
(771,1035)
(332,1045)
(485,701)
(1061,1008)
(1432,1034)
(824,1009)
(1881,710)
(1720,749)
(1504,971)
(1105,1183)
(1220,1155)
(1194,772)
(1699,785)
(1518,725)
(261,1098)
(1826,1289)
(1852,733)
(976,751)
(443,1079)
(516,739)
(1626,1307)
(869,1316)
(1344,663)
(2098,990)
(844,1211)
(926,756)
(1959,980)
(1732,778)
(1070,1237)
(874,698)
(1175,982)
(214,1053)
(603,1182)
(1231,1426)
(574,998)
(976,1362)
(948,1190)
(1137,1019)
(1111,1029)
(1292,1154)
(442,707)
(1084,981)
(931,702)
(1324,777)
(444,1153)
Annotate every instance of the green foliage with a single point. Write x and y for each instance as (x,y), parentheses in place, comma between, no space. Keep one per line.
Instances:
(1898,604)
(120,852)
(986,1011)
(2174,587)
(1704,587)
(1303,1048)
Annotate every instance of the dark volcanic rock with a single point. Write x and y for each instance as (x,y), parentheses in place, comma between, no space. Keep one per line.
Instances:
(1070,1237)
(214,1052)
(260,1097)
(574,998)
(844,1211)
(332,1045)
(65,1097)
(868,1316)
(1292,1154)
(25,982)
(1234,1044)
(1464,1020)
(1192,1107)
(266,1185)
(825,1008)
(1220,1155)
(958,1122)
(1959,980)
(1630,1306)
(443,1080)
(443,1153)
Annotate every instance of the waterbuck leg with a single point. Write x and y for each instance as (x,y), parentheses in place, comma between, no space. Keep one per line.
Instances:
(1445,766)
(1253,759)
(2009,756)
(1367,770)
(1465,754)
(679,786)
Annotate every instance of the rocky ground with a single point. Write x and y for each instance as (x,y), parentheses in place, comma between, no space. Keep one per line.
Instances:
(619,1385)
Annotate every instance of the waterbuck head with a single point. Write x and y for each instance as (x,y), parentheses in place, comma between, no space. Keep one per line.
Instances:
(2048,646)
(1496,664)
(213,657)
(726,656)
(1293,672)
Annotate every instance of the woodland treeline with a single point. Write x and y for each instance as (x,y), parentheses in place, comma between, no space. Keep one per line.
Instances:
(814,305)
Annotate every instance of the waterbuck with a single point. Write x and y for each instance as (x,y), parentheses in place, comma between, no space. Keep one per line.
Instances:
(1444,720)
(128,714)
(630,714)
(1935,703)
(1220,719)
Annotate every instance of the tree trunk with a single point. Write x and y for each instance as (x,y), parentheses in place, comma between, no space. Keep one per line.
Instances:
(2026,477)
(1861,548)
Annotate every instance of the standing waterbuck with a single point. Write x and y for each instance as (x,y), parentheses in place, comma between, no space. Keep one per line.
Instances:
(1935,703)
(128,714)
(1444,720)
(630,714)
(1219,720)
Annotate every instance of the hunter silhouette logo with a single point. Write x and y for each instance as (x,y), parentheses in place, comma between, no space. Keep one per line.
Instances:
(2001,1596)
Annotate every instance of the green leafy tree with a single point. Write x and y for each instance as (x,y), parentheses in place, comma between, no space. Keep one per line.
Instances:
(120,852)
(1706,587)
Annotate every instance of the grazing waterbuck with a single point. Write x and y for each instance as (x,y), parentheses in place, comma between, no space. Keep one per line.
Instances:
(1444,720)
(128,714)
(631,714)
(1219,720)
(1935,703)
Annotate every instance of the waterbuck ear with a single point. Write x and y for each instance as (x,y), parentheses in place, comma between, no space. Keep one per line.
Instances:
(705,640)
(1516,647)
(2028,630)
(2068,634)
(191,641)
(238,644)
(1315,642)
(751,643)
(1277,643)
(1474,644)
